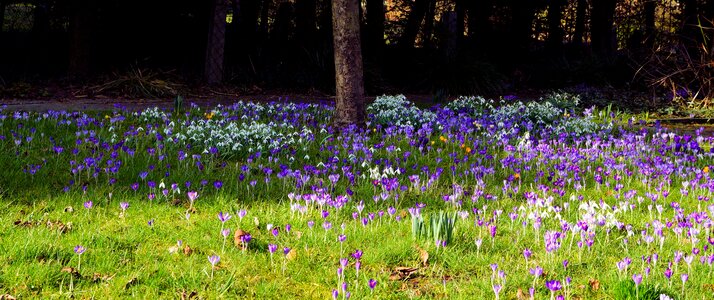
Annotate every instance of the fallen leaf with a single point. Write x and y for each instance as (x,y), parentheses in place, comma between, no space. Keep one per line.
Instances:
(7,297)
(188,296)
(401,273)
(187,250)
(594,284)
(131,283)
(292,255)
(97,277)
(423,256)
(71,271)
(520,295)
(173,249)
(238,238)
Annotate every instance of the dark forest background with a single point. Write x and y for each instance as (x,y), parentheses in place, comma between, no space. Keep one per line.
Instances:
(441,47)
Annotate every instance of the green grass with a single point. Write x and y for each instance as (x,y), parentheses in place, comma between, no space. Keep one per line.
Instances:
(40,224)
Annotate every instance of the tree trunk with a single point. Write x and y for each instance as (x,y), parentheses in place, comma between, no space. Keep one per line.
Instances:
(416,16)
(580,15)
(460,8)
(479,25)
(650,8)
(305,21)
(555,31)
(215,47)
(2,15)
(81,23)
(429,23)
(41,22)
(349,84)
(602,34)
(264,15)
(248,19)
(690,28)
(522,25)
(375,24)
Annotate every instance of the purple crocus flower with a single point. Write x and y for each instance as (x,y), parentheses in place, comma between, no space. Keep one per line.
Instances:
(637,278)
(553,285)
(272,248)
(89,204)
(372,284)
(124,205)
(214,259)
(192,195)
(223,217)
(79,249)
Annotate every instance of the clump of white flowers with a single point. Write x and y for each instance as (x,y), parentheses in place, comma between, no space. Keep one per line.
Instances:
(398,111)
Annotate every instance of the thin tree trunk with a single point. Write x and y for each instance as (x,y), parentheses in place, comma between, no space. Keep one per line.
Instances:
(460,8)
(429,22)
(555,31)
(215,47)
(479,12)
(2,15)
(349,83)
(416,16)
(305,20)
(522,25)
(264,15)
(80,35)
(690,28)
(41,22)
(580,15)
(650,8)
(375,24)
(602,33)
(248,19)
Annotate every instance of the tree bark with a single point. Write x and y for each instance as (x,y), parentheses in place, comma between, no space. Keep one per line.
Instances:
(375,24)
(690,29)
(460,8)
(650,8)
(522,25)
(429,22)
(349,83)
(264,15)
(215,47)
(2,15)
(248,19)
(579,32)
(416,16)
(81,23)
(555,31)
(305,20)
(479,12)
(602,39)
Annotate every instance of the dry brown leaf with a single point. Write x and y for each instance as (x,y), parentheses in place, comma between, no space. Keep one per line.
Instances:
(188,296)
(520,295)
(423,256)
(292,255)
(133,281)
(237,238)
(594,284)
(71,271)
(187,250)
(7,297)
(401,273)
